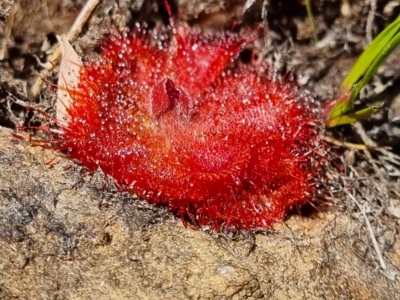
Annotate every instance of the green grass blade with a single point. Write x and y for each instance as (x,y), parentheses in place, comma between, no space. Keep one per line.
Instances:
(362,72)
(373,67)
(354,116)
(312,20)
(371,54)
(341,106)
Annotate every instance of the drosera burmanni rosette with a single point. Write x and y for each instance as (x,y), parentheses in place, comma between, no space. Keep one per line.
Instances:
(176,118)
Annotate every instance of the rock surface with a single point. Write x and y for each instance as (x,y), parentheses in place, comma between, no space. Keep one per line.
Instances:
(63,235)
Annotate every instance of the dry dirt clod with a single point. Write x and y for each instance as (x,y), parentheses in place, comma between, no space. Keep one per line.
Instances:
(5,9)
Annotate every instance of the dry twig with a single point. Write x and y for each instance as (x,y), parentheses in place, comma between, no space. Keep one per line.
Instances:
(371,232)
(370,21)
(370,144)
(339,143)
(72,35)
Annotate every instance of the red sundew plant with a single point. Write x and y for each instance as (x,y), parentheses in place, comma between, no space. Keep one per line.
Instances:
(178,119)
